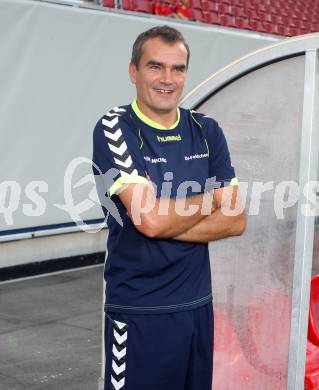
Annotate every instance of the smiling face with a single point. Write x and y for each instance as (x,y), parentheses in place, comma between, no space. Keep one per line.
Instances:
(160,78)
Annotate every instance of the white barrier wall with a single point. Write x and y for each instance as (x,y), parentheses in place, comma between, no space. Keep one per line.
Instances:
(61,68)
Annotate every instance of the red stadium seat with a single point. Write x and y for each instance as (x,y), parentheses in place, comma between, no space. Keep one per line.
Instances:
(211,17)
(208,5)
(303,25)
(293,13)
(261,7)
(290,32)
(204,5)
(227,21)
(198,15)
(313,322)
(265,17)
(283,30)
(280,17)
(285,20)
(224,9)
(270,9)
(258,26)
(283,11)
(237,3)
(108,3)
(196,4)
(295,31)
(303,31)
(312,367)
(252,14)
(275,29)
(303,16)
(276,19)
(145,6)
(127,5)
(271,28)
(239,12)
(249,4)
(243,23)
(293,23)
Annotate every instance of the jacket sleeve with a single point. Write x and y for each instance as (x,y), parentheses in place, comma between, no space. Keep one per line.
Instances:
(116,159)
(220,166)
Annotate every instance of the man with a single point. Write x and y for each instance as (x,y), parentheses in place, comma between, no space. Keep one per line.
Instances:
(159,321)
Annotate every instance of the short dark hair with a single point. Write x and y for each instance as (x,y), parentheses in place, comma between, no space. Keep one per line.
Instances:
(167,34)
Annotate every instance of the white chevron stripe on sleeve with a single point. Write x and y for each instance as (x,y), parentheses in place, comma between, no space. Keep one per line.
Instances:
(119,150)
(118,369)
(118,384)
(112,114)
(113,136)
(118,354)
(134,173)
(120,339)
(127,163)
(120,324)
(110,123)
(117,109)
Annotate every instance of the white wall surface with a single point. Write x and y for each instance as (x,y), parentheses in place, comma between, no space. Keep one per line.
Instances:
(61,68)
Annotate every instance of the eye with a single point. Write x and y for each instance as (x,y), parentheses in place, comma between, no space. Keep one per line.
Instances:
(179,70)
(154,67)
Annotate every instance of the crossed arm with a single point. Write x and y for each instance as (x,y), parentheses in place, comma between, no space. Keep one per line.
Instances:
(226,220)
(200,218)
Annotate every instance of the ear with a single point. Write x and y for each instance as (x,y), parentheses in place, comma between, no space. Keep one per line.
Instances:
(132,72)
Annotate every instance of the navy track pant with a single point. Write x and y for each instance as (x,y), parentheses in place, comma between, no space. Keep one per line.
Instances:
(159,351)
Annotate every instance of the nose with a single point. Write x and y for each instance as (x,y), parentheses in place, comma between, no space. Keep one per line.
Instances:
(166,76)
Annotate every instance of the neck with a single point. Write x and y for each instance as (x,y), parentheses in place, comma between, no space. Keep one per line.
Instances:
(166,119)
